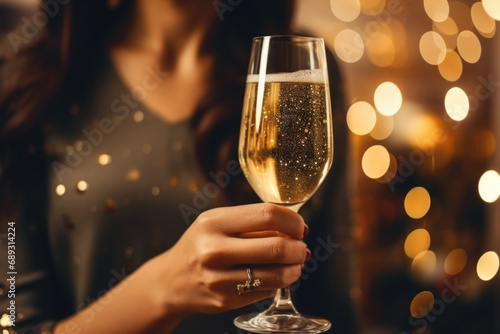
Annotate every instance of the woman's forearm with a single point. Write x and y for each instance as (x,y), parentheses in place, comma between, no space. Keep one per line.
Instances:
(135,305)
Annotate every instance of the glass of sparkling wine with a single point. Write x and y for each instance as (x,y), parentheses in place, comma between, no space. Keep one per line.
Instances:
(286,146)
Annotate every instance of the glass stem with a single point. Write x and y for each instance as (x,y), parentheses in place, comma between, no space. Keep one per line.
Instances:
(282,304)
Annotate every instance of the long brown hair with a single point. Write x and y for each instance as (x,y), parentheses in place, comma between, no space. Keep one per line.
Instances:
(74,37)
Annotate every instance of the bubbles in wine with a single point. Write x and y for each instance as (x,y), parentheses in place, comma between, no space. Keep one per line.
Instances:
(287,145)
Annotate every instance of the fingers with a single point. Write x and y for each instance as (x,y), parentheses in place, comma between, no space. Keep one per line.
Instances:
(269,250)
(257,218)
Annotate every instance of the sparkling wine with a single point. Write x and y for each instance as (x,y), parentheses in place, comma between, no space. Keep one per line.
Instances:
(286,144)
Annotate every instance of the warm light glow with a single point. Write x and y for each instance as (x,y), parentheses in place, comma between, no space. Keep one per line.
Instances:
(424,264)
(5,321)
(451,67)
(381,50)
(138,116)
(361,118)
(82,186)
(349,45)
(488,143)
(155,191)
(448,29)
(388,98)
(487,266)
(383,127)
(104,159)
(469,46)
(492,8)
(397,32)
(375,161)
(133,174)
(60,190)
(432,47)
(419,128)
(421,304)
(417,202)
(484,23)
(372,7)
(489,186)
(345,10)
(455,261)
(456,104)
(416,242)
(437,10)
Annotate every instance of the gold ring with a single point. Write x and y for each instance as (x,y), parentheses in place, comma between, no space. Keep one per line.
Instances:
(248,286)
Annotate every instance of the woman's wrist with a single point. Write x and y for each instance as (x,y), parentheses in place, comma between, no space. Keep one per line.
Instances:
(138,304)
(160,294)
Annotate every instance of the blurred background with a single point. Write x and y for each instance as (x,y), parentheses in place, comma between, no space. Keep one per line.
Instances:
(423,85)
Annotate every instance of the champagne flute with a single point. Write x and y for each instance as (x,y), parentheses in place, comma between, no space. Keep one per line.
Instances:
(286,146)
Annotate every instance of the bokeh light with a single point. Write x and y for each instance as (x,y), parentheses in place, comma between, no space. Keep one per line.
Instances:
(417,202)
(487,266)
(456,104)
(383,127)
(489,186)
(437,10)
(349,45)
(484,23)
(469,46)
(345,10)
(451,68)
(104,159)
(421,304)
(416,242)
(381,50)
(492,8)
(448,30)
(361,118)
(375,161)
(424,264)
(372,7)
(455,261)
(432,47)
(82,186)
(388,98)
(60,189)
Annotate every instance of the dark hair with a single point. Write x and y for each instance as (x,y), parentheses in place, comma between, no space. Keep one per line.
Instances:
(74,37)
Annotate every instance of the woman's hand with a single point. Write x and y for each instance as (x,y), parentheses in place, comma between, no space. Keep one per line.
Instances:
(200,273)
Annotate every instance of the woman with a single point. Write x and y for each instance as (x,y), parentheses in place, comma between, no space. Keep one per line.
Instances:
(119,129)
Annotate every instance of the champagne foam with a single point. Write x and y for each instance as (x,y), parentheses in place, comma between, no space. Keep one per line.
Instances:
(310,76)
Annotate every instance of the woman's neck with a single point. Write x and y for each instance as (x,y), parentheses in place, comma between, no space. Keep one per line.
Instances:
(168,36)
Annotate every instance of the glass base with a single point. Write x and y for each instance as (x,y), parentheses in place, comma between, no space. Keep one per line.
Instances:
(281,323)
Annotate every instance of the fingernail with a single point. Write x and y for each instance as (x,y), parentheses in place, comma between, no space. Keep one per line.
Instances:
(308,254)
(306,230)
